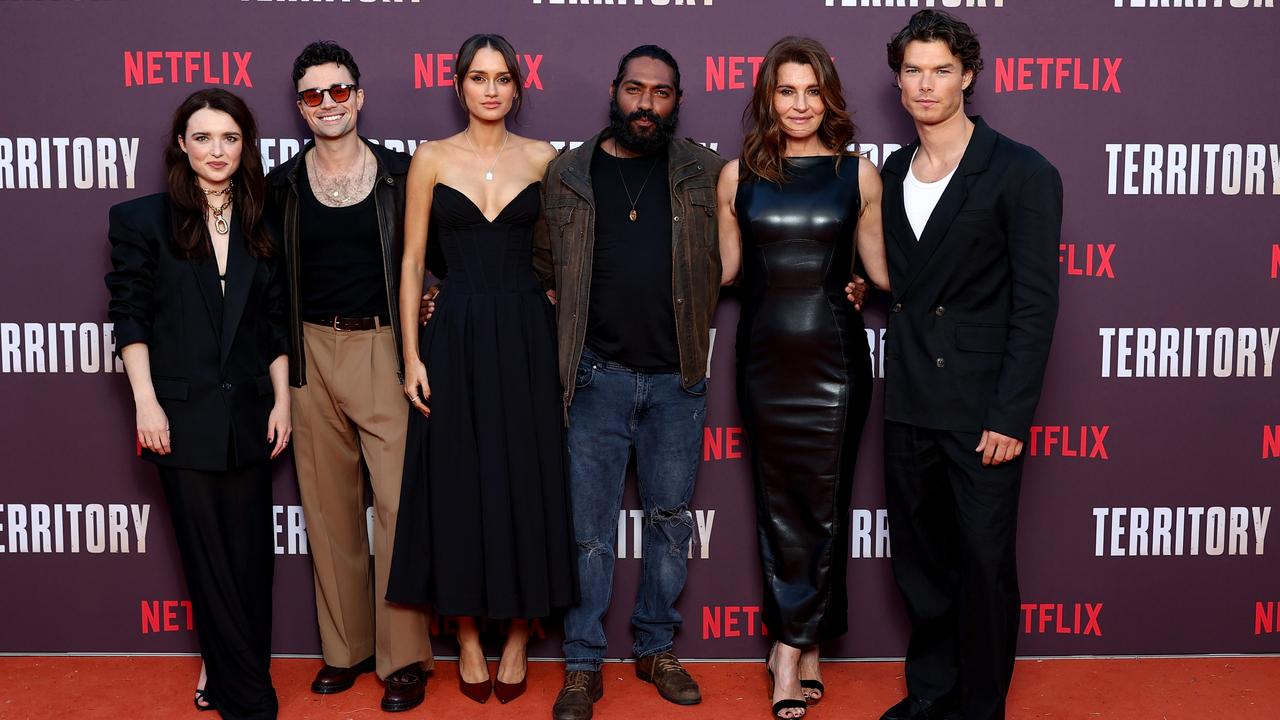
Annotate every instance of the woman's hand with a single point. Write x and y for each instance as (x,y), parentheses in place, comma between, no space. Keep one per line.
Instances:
(279,426)
(153,427)
(416,387)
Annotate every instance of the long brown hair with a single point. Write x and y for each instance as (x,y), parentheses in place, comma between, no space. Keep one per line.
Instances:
(764,145)
(190,209)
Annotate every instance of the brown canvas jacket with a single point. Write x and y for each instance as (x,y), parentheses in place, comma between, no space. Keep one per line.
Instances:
(564,243)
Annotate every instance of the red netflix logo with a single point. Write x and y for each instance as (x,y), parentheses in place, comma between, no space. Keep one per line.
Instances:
(1083,441)
(435,70)
(1089,260)
(166,616)
(729,72)
(721,443)
(1061,619)
(1270,442)
(186,67)
(1275,261)
(1064,73)
(1264,617)
(731,621)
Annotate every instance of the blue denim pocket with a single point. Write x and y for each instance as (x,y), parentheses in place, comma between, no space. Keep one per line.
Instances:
(699,388)
(586,373)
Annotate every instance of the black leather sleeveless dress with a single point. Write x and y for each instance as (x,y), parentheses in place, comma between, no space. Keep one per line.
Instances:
(804,387)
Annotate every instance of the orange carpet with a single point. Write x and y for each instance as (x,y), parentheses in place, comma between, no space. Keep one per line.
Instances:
(160,687)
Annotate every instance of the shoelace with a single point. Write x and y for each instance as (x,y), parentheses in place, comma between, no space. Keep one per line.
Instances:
(668,663)
(577,682)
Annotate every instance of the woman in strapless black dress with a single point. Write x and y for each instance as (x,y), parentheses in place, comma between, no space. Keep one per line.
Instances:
(791,210)
(484,527)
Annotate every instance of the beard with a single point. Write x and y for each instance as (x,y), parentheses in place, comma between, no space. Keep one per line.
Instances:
(646,143)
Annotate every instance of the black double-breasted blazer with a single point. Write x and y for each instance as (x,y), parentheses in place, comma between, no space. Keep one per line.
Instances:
(975,298)
(209,352)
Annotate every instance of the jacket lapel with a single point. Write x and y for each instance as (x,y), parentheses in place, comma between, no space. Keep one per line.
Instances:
(976,158)
(241,267)
(206,272)
(894,208)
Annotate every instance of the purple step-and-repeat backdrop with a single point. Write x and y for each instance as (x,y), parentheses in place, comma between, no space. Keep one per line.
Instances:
(1153,468)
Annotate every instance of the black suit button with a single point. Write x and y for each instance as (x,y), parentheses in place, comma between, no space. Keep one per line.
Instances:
(897,307)
(942,363)
(940,311)
(225,386)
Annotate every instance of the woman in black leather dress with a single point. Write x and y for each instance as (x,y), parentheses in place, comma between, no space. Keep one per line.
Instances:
(791,210)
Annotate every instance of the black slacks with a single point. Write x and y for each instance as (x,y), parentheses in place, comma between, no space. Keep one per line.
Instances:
(952,528)
(223,525)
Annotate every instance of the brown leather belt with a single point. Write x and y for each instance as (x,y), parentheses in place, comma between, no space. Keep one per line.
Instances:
(338,322)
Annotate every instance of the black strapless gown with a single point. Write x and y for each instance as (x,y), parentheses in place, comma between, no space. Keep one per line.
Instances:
(484,524)
(804,387)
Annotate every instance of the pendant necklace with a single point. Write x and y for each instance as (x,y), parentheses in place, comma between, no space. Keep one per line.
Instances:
(632,215)
(339,190)
(488,173)
(219,222)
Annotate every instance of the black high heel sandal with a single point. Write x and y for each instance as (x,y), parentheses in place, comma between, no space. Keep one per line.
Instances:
(813,685)
(785,703)
(202,696)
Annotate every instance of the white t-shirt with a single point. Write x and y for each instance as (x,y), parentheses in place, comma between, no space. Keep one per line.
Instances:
(920,198)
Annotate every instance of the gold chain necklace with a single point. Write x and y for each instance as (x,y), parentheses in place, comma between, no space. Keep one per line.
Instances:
(632,215)
(219,222)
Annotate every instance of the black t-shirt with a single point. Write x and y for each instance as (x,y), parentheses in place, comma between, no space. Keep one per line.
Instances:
(341,259)
(631,319)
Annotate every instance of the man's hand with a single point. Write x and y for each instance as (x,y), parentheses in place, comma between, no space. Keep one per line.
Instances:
(551,295)
(856,291)
(428,306)
(998,449)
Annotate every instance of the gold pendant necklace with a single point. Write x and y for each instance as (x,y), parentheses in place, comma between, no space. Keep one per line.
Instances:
(633,214)
(220,222)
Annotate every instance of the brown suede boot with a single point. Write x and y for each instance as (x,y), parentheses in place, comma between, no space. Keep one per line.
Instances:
(581,689)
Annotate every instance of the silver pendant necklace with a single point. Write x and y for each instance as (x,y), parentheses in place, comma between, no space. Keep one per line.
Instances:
(488,173)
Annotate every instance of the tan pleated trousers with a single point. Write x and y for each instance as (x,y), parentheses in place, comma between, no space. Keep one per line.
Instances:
(353,408)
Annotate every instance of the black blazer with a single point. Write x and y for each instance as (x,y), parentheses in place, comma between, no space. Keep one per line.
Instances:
(976,298)
(209,353)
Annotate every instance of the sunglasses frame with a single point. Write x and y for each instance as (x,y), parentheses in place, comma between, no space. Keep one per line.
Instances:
(349,87)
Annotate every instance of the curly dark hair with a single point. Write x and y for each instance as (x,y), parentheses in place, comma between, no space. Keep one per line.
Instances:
(930,25)
(322,52)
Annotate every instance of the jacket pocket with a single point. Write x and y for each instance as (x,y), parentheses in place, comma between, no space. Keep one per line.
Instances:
(981,337)
(170,389)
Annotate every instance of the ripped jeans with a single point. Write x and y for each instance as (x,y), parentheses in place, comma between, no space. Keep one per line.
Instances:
(616,409)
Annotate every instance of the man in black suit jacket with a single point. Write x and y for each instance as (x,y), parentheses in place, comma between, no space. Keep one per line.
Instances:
(972,222)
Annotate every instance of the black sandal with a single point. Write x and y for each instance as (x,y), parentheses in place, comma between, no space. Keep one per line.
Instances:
(813,685)
(202,696)
(785,703)
(789,704)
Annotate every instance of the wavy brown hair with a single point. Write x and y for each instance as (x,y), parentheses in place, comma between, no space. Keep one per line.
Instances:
(190,209)
(763,148)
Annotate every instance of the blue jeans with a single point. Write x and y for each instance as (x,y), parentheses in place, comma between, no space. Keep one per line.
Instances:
(614,410)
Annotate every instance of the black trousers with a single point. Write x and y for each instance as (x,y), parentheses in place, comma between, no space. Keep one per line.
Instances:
(223,525)
(952,528)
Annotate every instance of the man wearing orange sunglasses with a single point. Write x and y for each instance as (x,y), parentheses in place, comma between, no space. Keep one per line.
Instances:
(337,209)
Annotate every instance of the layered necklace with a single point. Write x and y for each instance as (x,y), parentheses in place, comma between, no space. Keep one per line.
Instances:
(341,189)
(488,173)
(220,222)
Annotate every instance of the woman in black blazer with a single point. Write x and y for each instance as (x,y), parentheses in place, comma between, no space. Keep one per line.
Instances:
(198,308)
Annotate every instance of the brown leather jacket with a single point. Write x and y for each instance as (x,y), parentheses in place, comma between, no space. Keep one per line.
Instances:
(564,244)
